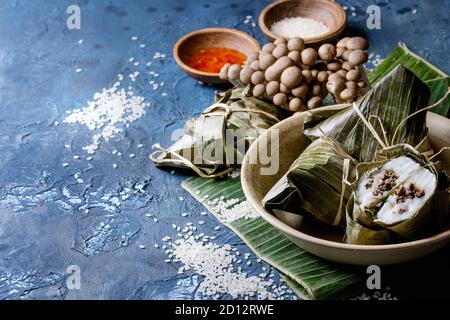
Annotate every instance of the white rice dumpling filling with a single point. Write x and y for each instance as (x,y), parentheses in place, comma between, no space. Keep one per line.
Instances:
(408,198)
(413,185)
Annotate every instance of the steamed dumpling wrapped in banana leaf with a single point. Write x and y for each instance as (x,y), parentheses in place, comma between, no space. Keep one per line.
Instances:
(393,199)
(385,106)
(216,142)
(315,183)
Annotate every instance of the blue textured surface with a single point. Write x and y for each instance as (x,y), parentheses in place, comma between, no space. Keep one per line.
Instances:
(43,225)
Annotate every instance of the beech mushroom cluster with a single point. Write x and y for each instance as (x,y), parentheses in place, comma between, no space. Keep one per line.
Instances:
(348,79)
(297,78)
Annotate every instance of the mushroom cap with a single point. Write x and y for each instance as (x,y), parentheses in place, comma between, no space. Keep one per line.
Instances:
(322,76)
(252,57)
(257,77)
(314,102)
(295,56)
(300,91)
(268,47)
(296,44)
(279,40)
(307,76)
(280,50)
(234,71)
(357,43)
(343,42)
(259,90)
(266,60)
(309,56)
(291,76)
(295,105)
(272,88)
(246,74)
(353,75)
(279,99)
(358,57)
(327,52)
(347,94)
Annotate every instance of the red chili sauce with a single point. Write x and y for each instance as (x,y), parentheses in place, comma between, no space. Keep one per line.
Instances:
(213,59)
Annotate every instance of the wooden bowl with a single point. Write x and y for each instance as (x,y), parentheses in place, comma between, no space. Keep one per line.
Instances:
(211,38)
(327,11)
(324,241)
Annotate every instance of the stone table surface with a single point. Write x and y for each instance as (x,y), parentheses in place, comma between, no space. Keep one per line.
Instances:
(89,214)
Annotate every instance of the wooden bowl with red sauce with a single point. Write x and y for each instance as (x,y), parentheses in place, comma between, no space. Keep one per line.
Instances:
(202,53)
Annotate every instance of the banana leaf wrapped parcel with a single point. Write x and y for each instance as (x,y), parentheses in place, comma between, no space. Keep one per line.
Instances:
(320,170)
(395,199)
(215,143)
(395,97)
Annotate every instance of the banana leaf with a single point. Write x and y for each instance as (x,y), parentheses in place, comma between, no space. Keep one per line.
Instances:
(308,275)
(318,170)
(436,79)
(386,105)
(216,142)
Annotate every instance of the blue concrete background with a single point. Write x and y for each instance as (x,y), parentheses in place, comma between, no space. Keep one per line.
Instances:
(43,225)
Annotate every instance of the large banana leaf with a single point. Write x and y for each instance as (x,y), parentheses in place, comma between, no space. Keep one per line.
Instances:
(437,80)
(311,277)
(390,101)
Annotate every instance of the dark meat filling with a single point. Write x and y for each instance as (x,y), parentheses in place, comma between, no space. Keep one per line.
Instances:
(388,181)
(411,192)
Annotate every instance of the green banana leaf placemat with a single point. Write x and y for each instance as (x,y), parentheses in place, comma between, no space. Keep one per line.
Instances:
(309,276)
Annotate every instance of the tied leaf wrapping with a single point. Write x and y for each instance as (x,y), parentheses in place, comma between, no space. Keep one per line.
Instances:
(216,142)
(391,100)
(318,171)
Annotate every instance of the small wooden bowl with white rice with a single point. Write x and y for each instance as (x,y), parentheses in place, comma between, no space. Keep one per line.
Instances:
(316,21)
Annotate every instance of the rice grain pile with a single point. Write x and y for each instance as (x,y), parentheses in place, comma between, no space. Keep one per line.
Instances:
(232,209)
(299,27)
(108,113)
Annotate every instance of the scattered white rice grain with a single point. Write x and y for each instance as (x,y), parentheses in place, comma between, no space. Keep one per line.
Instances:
(107,113)
(131,155)
(65,164)
(78,70)
(114,166)
(140,145)
(141,246)
(80,41)
(135,38)
(201,222)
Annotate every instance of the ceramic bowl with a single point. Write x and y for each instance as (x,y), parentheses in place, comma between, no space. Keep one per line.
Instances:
(326,242)
(207,38)
(327,11)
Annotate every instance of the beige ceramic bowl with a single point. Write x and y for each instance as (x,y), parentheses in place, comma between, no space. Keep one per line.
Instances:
(326,242)
(327,11)
(211,38)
